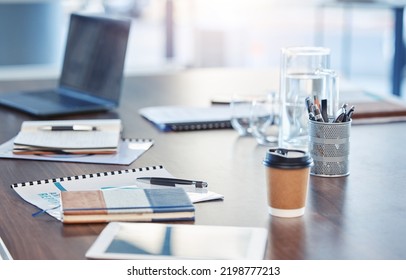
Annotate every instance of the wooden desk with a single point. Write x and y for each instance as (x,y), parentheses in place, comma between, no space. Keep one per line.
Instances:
(361,216)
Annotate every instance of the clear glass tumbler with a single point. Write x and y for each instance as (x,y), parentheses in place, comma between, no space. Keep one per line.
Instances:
(264,119)
(304,73)
(241,106)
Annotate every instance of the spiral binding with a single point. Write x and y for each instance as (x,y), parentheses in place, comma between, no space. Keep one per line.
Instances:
(86,176)
(200,126)
(137,140)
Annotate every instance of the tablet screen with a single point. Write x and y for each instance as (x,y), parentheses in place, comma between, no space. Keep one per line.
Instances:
(164,241)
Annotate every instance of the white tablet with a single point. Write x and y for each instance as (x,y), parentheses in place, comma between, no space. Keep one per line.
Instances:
(178,241)
(4,253)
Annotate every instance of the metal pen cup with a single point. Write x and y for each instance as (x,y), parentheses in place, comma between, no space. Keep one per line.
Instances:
(329,146)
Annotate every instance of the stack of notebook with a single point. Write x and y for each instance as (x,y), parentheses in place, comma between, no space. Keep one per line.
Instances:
(68,137)
(126,204)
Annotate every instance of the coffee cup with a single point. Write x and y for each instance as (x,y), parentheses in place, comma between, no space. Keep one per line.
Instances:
(287,178)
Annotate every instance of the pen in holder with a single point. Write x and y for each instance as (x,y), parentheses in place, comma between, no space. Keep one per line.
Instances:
(329,146)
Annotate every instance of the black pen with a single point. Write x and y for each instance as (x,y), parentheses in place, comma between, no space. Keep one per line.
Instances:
(308,104)
(171,181)
(324,110)
(76,127)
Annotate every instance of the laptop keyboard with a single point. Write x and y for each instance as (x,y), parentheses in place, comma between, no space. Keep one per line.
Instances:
(51,98)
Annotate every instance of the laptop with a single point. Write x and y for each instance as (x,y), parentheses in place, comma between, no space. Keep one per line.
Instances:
(92,70)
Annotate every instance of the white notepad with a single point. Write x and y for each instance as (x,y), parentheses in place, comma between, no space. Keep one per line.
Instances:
(36,136)
(129,149)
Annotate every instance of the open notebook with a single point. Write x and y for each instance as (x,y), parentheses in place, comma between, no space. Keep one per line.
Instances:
(45,193)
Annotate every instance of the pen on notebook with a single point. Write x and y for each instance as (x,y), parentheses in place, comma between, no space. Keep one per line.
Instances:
(171,181)
(76,127)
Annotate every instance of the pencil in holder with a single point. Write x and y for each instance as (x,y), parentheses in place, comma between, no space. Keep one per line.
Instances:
(329,146)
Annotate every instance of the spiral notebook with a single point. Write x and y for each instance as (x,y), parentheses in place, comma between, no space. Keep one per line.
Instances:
(182,118)
(45,194)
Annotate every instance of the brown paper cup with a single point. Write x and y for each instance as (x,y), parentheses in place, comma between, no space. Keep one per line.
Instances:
(287,178)
(287,191)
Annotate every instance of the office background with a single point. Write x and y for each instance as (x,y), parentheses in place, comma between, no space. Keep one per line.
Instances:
(356,217)
(207,33)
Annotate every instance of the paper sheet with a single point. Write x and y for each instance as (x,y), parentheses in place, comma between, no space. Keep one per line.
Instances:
(45,193)
(128,151)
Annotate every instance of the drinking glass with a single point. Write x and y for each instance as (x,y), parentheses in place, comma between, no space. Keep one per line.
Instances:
(304,73)
(264,120)
(241,113)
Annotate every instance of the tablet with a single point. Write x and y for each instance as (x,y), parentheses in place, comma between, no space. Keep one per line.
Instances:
(123,240)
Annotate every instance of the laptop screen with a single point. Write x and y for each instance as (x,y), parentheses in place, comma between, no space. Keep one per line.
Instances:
(95,55)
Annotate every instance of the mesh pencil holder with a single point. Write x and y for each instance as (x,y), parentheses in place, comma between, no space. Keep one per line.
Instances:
(329,146)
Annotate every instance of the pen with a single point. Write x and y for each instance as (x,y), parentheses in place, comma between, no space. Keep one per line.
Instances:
(341,114)
(345,112)
(308,104)
(324,110)
(340,118)
(350,112)
(76,127)
(316,101)
(317,115)
(311,116)
(171,181)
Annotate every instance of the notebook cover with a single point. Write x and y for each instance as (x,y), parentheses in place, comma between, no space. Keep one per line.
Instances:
(183,118)
(142,203)
(373,108)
